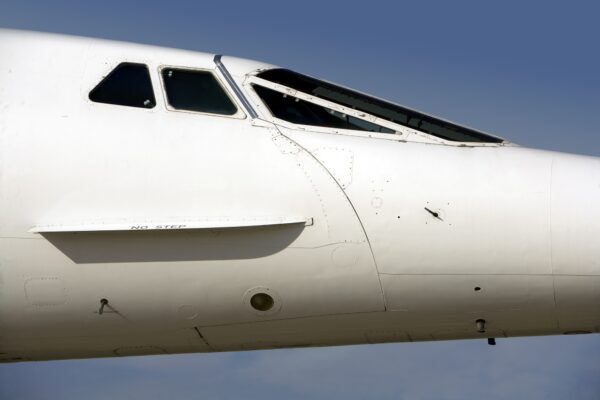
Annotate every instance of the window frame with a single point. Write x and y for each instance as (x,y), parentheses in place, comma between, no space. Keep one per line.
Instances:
(403,133)
(239,114)
(326,104)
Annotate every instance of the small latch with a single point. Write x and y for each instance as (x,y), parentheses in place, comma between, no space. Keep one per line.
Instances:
(103,302)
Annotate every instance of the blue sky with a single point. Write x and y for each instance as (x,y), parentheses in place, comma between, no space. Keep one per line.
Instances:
(527,71)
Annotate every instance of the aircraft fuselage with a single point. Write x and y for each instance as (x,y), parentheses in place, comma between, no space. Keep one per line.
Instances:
(129,230)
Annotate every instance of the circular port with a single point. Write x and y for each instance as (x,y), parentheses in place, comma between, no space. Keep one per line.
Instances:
(262,302)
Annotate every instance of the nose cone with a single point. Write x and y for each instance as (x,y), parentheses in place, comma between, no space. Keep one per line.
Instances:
(575,250)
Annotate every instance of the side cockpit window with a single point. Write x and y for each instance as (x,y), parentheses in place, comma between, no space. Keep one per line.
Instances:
(362,106)
(302,112)
(194,90)
(128,84)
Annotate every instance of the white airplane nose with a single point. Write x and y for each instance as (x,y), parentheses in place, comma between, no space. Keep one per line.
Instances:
(575,233)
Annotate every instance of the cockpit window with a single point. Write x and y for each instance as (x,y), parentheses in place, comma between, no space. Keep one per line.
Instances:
(376,107)
(193,90)
(127,85)
(301,112)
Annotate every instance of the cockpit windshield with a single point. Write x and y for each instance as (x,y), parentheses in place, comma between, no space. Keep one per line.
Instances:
(378,108)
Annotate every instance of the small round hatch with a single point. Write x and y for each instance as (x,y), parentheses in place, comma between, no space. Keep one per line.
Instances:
(261,300)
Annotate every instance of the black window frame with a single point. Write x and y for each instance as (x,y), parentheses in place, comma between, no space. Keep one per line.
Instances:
(239,112)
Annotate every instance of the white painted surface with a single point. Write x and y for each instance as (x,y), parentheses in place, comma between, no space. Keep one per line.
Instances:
(332,223)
